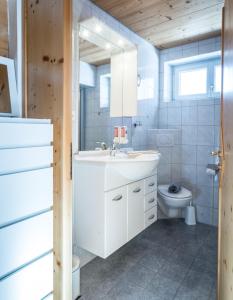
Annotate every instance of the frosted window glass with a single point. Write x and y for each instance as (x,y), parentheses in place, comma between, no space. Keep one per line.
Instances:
(217,79)
(193,82)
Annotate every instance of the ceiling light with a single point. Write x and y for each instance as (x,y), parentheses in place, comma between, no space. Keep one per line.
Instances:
(108,46)
(120,43)
(98,28)
(85,33)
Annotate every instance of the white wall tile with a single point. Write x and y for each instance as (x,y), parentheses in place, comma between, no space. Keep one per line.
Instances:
(189,135)
(204,196)
(174,116)
(205,135)
(189,154)
(204,155)
(189,115)
(203,178)
(204,214)
(206,115)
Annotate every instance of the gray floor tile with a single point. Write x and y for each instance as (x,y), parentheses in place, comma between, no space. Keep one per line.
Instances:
(213,294)
(164,286)
(196,285)
(125,291)
(139,276)
(151,261)
(173,270)
(169,260)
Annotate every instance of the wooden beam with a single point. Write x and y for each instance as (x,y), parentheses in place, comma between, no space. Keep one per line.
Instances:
(49,55)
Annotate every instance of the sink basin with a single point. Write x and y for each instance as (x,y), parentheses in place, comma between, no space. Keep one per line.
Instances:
(132,166)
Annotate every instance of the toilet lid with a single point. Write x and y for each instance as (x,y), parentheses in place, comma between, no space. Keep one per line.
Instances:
(183,193)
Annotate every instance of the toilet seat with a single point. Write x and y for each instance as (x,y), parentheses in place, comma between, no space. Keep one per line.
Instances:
(182,194)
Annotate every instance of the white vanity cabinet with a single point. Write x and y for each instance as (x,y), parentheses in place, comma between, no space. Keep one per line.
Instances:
(107,218)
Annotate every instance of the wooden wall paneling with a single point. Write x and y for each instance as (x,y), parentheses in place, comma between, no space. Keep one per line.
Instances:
(49,54)
(222,169)
(3,28)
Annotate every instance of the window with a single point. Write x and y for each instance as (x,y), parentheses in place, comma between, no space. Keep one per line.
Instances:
(105,90)
(197,80)
(217,78)
(193,82)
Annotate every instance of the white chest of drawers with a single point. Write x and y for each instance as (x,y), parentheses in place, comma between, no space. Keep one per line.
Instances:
(26,214)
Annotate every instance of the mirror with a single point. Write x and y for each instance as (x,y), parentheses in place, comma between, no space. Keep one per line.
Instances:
(8,92)
(105,79)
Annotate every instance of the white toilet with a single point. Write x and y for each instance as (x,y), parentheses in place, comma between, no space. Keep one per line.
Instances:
(171,204)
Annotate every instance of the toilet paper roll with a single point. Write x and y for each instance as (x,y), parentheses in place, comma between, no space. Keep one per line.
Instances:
(211,172)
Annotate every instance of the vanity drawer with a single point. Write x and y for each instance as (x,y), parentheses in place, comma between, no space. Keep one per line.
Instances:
(150,201)
(151,184)
(150,216)
(136,189)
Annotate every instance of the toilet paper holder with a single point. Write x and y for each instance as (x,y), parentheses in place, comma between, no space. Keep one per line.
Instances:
(212,169)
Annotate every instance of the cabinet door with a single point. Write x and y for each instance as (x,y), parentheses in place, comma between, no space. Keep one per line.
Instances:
(135,208)
(116,219)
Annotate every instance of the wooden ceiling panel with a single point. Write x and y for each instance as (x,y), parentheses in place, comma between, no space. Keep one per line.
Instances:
(167,22)
(93,54)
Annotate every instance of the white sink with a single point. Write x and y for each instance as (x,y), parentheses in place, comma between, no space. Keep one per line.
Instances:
(132,166)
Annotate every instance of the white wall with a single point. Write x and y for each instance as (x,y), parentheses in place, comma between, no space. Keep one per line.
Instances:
(199,124)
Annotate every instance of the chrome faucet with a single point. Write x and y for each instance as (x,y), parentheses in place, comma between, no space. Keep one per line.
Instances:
(103,145)
(113,149)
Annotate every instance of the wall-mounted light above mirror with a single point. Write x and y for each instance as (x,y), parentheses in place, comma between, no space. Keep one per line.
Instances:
(100,34)
(108,83)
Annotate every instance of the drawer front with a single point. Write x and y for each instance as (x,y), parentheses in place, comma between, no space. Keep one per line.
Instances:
(25,241)
(151,184)
(150,216)
(116,219)
(136,189)
(32,282)
(150,201)
(25,135)
(24,159)
(32,193)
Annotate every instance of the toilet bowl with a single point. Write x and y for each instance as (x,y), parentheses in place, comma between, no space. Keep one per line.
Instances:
(171,204)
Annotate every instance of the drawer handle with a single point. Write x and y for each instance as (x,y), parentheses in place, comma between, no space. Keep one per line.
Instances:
(137,190)
(117,198)
(151,200)
(151,184)
(151,217)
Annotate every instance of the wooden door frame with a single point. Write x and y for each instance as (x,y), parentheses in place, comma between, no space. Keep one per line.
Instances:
(51,62)
(221,174)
